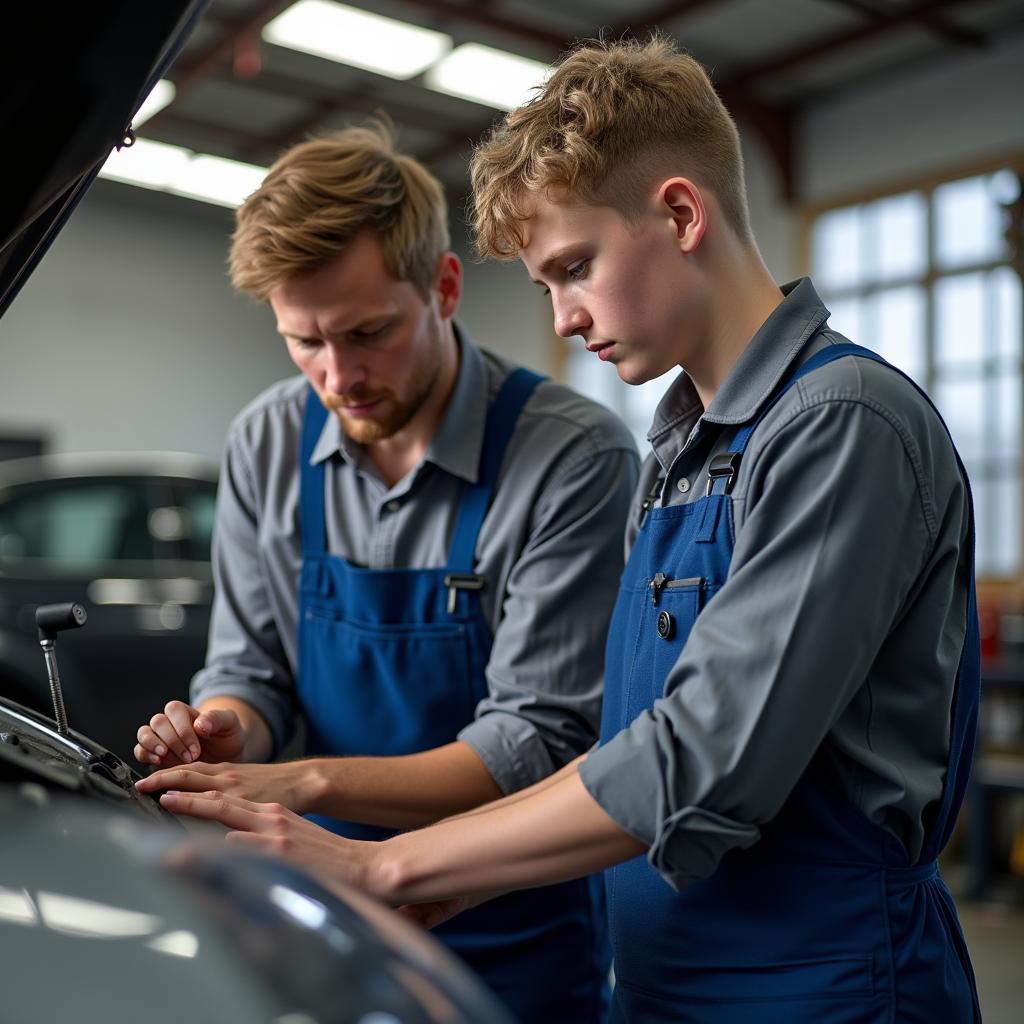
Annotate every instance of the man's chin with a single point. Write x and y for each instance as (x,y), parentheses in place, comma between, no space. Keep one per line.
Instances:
(364,430)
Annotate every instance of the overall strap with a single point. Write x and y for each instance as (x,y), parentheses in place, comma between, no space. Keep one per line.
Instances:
(311,481)
(476,499)
(725,465)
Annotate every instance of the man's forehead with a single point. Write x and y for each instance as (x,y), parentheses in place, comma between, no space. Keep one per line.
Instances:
(549,224)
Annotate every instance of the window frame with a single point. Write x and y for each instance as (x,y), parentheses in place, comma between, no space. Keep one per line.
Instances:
(927,184)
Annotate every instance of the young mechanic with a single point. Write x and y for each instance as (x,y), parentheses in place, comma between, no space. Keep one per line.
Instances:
(417,547)
(792,665)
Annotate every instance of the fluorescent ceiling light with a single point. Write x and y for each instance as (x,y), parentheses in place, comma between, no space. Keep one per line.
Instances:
(217,180)
(159,96)
(481,73)
(364,40)
(147,163)
(173,169)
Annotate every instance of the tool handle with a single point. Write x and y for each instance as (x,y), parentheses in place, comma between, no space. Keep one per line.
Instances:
(52,618)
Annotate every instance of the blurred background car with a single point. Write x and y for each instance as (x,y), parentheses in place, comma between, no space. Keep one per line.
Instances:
(128,537)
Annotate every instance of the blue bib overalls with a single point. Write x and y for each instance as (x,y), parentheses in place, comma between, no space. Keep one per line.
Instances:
(823,920)
(391,662)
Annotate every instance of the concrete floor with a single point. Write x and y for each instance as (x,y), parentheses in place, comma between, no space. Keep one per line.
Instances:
(995,938)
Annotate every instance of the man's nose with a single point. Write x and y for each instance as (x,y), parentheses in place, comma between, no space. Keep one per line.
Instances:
(570,318)
(342,370)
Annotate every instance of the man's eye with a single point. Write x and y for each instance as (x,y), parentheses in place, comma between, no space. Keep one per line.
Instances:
(374,332)
(577,271)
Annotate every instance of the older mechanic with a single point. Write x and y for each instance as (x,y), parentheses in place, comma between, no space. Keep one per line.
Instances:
(417,546)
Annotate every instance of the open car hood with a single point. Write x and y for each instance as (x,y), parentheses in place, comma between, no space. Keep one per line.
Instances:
(70,89)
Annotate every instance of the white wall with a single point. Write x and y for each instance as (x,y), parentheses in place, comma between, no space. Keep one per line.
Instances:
(967,108)
(128,336)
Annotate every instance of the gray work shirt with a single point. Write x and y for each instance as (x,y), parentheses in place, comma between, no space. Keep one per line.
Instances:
(550,550)
(841,620)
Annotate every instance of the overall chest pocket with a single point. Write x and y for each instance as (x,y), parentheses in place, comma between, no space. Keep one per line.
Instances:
(385,689)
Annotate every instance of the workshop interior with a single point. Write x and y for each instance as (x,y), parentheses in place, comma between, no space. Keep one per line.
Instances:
(882,143)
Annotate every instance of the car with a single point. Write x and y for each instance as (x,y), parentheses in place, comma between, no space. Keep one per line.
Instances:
(112,909)
(127,536)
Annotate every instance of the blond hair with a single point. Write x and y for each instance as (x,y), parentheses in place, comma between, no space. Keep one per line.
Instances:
(609,120)
(321,193)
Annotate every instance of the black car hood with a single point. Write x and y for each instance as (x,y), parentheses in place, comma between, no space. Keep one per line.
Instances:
(70,90)
(32,750)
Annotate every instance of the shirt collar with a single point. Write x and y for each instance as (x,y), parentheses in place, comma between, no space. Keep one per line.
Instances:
(757,372)
(458,440)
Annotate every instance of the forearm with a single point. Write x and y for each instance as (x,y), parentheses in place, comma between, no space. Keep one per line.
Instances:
(258,741)
(523,794)
(400,792)
(555,833)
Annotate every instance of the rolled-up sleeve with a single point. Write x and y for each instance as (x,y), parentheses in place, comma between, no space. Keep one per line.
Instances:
(545,673)
(837,526)
(244,658)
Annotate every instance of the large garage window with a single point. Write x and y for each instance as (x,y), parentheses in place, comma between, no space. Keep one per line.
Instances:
(929,279)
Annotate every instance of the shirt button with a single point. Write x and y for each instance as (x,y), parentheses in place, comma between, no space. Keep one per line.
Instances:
(683,486)
(393,505)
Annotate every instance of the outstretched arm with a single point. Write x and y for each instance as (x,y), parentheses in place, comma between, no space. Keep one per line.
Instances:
(552,833)
(392,792)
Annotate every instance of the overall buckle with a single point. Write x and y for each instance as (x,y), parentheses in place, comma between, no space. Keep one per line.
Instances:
(724,464)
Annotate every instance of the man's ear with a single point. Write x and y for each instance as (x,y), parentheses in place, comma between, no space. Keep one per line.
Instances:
(681,200)
(448,284)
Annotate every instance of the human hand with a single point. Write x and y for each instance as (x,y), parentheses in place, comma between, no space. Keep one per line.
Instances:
(288,784)
(435,912)
(273,829)
(181,734)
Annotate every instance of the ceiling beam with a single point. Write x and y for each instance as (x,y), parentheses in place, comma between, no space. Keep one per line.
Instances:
(652,20)
(228,141)
(188,73)
(958,35)
(365,102)
(885,22)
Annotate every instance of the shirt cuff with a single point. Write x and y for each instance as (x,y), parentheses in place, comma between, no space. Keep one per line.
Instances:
(631,781)
(510,748)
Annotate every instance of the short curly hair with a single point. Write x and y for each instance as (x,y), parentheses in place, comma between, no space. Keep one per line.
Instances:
(610,119)
(321,193)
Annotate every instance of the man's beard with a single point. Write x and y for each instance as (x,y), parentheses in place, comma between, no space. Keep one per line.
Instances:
(394,414)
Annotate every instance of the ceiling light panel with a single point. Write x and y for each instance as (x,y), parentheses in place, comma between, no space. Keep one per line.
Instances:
(489,76)
(165,168)
(358,38)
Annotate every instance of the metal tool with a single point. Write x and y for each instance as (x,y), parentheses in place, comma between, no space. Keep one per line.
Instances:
(50,620)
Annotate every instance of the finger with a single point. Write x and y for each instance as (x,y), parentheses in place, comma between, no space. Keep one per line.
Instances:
(214,807)
(164,729)
(194,779)
(251,841)
(429,915)
(144,756)
(233,811)
(217,722)
(150,742)
(182,717)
